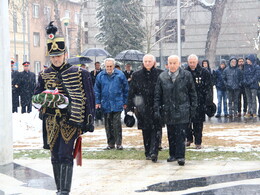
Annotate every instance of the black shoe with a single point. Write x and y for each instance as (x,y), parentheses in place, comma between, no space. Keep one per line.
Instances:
(148,158)
(171,159)
(160,148)
(218,116)
(181,161)
(110,147)
(119,147)
(154,158)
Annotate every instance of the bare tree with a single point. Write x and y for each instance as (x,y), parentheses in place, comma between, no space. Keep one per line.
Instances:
(216,9)
(57,16)
(79,33)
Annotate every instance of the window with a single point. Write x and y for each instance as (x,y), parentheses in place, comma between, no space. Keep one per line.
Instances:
(37,67)
(36,10)
(85,24)
(86,37)
(67,14)
(47,13)
(36,39)
(169,32)
(169,2)
(77,17)
(15,22)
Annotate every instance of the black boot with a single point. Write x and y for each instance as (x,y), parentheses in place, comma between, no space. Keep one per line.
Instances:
(65,178)
(56,172)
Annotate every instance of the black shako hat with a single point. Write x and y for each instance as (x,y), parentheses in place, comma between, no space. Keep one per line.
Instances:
(211,109)
(55,45)
(129,120)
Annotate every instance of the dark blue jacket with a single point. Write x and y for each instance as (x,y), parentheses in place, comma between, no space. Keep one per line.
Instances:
(232,77)
(111,91)
(219,82)
(251,73)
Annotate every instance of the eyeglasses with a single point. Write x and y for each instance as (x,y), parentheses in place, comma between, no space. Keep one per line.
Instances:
(26,65)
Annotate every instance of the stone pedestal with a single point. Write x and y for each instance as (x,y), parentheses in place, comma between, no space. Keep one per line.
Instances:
(6,131)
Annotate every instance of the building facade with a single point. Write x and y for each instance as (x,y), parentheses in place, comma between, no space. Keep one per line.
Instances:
(28,20)
(238,28)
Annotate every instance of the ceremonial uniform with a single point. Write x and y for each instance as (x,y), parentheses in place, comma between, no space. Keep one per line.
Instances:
(66,98)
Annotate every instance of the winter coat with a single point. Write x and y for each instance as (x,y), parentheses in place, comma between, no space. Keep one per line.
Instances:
(111,91)
(27,85)
(251,74)
(232,77)
(176,101)
(94,74)
(219,82)
(203,85)
(15,90)
(141,96)
(128,75)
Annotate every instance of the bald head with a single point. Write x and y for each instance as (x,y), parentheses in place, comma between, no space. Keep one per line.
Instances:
(173,63)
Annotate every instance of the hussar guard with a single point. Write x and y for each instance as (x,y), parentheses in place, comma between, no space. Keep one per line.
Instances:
(65,98)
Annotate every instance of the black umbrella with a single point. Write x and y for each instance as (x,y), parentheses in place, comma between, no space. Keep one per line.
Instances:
(130,55)
(79,60)
(95,52)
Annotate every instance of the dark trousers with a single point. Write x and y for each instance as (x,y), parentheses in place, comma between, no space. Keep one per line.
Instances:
(233,100)
(151,138)
(27,107)
(195,129)
(62,152)
(113,128)
(176,139)
(242,93)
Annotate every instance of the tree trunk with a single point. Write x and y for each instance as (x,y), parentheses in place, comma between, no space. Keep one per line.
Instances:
(214,31)
(57,17)
(79,33)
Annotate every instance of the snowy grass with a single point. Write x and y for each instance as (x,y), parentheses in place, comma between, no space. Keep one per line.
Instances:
(137,154)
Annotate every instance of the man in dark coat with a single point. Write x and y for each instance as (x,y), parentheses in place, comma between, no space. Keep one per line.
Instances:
(15,87)
(65,96)
(240,64)
(221,89)
(175,102)
(128,72)
(141,97)
(232,77)
(27,85)
(251,78)
(201,78)
(95,72)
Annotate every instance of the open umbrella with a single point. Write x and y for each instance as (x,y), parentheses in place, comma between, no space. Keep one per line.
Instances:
(130,55)
(79,60)
(95,52)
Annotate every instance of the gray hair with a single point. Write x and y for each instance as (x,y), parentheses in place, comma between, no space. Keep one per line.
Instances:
(154,59)
(110,59)
(193,56)
(174,56)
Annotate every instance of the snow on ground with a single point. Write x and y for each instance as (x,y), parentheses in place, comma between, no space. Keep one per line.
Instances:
(27,134)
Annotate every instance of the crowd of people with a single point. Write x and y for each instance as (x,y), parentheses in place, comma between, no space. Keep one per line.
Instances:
(69,99)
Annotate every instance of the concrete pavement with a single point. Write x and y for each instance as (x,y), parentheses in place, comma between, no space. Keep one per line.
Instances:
(117,177)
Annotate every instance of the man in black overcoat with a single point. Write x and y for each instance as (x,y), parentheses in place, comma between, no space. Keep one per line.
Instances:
(15,87)
(27,85)
(175,102)
(201,78)
(141,97)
